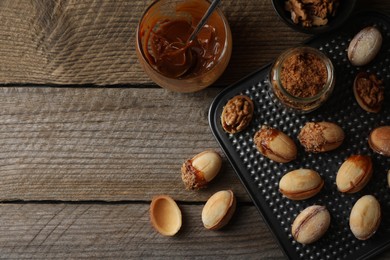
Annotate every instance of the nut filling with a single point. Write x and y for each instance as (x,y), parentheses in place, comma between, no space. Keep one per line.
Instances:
(198,171)
(192,177)
(369,92)
(311,13)
(302,79)
(237,114)
(304,75)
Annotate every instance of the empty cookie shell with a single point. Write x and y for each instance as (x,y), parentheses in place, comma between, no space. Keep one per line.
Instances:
(165,215)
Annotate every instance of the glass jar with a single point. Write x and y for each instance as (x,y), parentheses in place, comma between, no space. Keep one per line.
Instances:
(208,57)
(302,78)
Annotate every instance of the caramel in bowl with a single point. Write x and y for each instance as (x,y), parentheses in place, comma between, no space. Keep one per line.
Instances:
(166,55)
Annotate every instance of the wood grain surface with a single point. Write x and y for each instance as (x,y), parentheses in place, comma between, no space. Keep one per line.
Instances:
(87,139)
(120,231)
(93,42)
(103,144)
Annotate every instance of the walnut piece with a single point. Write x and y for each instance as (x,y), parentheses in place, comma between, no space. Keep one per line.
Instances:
(368,91)
(237,114)
(311,12)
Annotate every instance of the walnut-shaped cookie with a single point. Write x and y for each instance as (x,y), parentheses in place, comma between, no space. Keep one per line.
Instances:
(369,91)
(237,114)
(318,137)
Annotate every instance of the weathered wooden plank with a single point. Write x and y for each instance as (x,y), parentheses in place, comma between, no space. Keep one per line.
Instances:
(69,42)
(123,231)
(93,41)
(103,144)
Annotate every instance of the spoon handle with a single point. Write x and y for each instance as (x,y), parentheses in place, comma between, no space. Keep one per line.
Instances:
(204,19)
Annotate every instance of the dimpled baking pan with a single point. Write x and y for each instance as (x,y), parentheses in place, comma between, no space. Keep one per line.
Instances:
(261,176)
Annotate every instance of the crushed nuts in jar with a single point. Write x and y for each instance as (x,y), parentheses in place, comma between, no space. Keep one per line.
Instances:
(302,78)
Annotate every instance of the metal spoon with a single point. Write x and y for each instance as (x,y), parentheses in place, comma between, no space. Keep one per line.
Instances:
(179,50)
(204,19)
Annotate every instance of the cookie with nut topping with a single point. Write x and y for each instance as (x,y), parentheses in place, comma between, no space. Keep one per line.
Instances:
(237,114)
(198,171)
(369,91)
(317,137)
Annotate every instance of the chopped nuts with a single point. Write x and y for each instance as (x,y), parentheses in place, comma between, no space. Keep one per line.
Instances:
(311,224)
(368,91)
(197,172)
(311,12)
(165,215)
(354,173)
(301,184)
(364,46)
(321,136)
(304,74)
(237,114)
(365,217)
(275,144)
(379,140)
(302,79)
(218,209)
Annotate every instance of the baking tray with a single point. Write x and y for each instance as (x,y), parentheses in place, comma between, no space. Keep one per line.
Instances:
(261,176)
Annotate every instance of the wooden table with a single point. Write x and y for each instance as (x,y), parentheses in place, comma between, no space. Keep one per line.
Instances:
(87,139)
